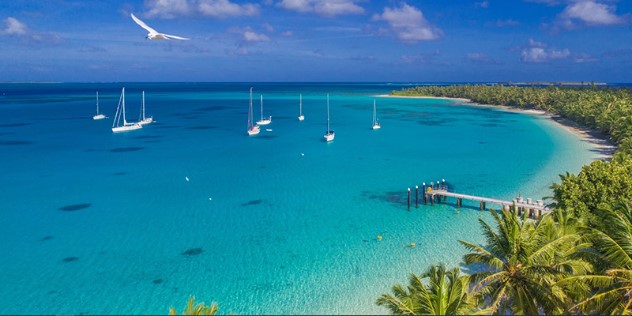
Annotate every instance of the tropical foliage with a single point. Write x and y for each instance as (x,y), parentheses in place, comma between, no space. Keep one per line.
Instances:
(196,309)
(576,259)
(445,293)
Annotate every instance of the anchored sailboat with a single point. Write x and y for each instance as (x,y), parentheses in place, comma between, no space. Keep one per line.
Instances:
(264,121)
(142,119)
(376,122)
(252,129)
(300,108)
(330,134)
(98,116)
(120,115)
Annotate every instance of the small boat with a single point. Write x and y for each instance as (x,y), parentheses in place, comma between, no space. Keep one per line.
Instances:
(376,122)
(330,134)
(142,119)
(119,118)
(264,121)
(98,116)
(252,128)
(300,108)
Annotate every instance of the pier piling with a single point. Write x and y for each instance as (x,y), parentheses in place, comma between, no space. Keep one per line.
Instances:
(416,196)
(409,199)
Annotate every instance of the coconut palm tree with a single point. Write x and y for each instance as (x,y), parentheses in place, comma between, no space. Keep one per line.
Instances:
(196,309)
(521,263)
(445,293)
(612,242)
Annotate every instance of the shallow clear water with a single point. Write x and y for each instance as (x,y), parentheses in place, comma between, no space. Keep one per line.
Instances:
(279,223)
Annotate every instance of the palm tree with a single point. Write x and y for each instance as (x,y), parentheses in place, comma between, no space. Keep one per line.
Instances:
(445,294)
(193,309)
(612,242)
(521,263)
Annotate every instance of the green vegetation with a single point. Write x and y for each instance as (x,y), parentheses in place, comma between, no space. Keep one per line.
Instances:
(576,259)
(196,309)
(446,294)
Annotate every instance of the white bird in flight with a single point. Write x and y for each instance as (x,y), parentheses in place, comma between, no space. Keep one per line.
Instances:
(153,34)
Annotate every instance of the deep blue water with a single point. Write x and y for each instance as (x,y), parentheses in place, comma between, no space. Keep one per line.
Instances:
(278,223)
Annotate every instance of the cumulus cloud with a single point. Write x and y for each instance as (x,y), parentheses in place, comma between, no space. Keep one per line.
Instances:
(409,24)
(210,8)
(329,8)
(251,36)
(590,12)
(14,27)
(19,30)
(537,52)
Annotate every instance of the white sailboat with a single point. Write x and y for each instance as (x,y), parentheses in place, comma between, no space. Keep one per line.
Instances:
(264,121)
(142,119)
(300,108)
(252,129)
(98,116)
(376,122)
(120,116)
(330,134)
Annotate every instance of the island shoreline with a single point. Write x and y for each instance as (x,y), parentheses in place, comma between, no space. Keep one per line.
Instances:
(599,141)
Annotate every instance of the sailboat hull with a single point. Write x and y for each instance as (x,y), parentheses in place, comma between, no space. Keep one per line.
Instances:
(301,118)
(254,130)
(265,121)
(329,136)
(146,121)
(126,128)
(98,117)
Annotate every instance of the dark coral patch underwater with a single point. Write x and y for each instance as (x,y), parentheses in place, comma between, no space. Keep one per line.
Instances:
(74,207)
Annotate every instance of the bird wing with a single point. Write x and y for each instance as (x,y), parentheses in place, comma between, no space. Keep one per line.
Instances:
(142,24)
(175,37)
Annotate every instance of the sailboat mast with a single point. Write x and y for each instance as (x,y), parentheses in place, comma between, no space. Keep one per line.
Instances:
(123,106)
(262,107)
(300,104)
(327,113)
(97,102)
(374,112)
(143,105)
(250,110)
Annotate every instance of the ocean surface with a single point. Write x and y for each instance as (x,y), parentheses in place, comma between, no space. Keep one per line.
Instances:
(279,223)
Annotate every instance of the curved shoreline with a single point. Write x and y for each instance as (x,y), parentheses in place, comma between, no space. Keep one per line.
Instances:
(597,139)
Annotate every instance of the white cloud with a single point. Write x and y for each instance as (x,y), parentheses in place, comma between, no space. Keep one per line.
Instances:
(211,8)
(28,37)
(225,8)
(251,36)
(14,27)
(590,12)
(329,8)
(537,52)
(478,58)
(168,8)
(584,58)
(482,4)
(409,24)
(508,22)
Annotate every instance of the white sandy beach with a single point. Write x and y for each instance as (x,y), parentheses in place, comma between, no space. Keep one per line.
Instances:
(597,139)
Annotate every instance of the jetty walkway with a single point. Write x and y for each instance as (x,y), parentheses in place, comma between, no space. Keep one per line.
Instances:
(439,193)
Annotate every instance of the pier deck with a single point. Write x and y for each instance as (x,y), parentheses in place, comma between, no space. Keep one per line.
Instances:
(520,204)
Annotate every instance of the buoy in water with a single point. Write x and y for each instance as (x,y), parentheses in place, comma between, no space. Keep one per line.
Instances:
(379,237)
(186,178)
(412,244)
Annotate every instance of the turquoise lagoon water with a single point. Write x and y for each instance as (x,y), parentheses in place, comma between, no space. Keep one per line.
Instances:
(280,223)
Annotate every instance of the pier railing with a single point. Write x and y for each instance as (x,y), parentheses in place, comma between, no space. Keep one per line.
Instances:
(439,193)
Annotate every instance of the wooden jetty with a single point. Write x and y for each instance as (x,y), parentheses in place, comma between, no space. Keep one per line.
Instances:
(440,192)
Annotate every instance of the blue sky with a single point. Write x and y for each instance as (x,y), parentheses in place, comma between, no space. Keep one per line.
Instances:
(318,40)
